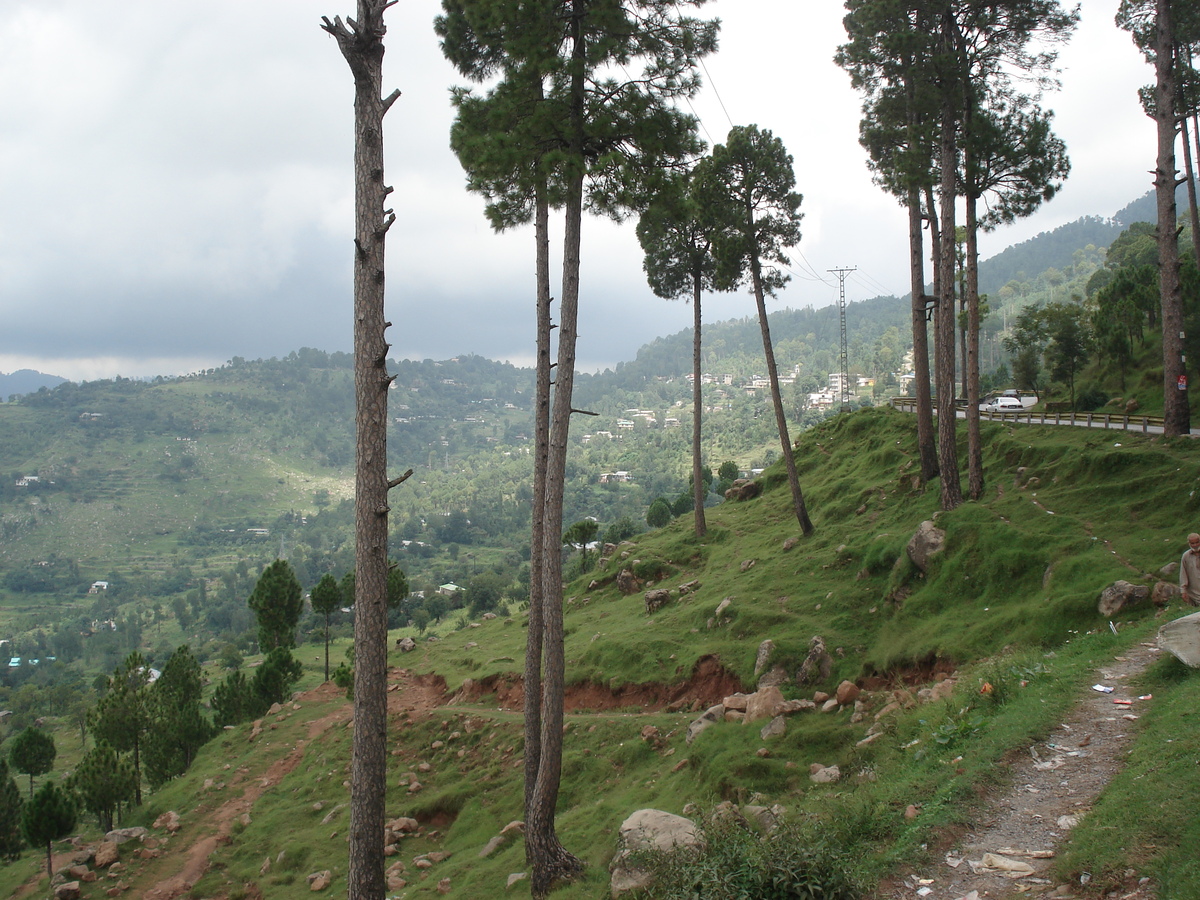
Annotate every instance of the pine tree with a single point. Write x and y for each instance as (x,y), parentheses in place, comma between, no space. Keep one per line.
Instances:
(589,139)
(103,780)
(121,717)
(50,816)
(11,803)
(749,186)
(277,601)
(177,726)
(31,753)
(325,598)
(676,235)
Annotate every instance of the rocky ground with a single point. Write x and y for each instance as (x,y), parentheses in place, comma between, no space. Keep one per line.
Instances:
(1012,846)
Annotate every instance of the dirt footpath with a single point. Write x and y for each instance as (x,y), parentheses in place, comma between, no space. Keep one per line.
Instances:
(1010,850)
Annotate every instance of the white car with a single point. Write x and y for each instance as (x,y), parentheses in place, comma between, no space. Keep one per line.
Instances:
(1002,404)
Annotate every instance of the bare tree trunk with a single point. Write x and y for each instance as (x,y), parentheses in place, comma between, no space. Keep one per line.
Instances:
(361,43)
(975,482)
(1176,414)
(785,441)
(541,430)
(1189,168)
(699,490)
(926,444)
(548,858)
(951,493)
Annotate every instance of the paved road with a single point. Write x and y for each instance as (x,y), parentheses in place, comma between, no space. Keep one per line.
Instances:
(1108,421)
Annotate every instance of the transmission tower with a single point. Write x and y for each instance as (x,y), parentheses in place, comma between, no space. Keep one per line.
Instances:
(844,375)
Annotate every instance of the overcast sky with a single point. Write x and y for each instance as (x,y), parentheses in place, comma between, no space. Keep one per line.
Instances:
(176,190)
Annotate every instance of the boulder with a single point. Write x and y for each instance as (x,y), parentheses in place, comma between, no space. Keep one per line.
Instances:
(764,704)
(765,649)
(777,676)
(168,821)
(777,727)
(657,599)
(648,829)
(707,718)
(68,890)
(925,544)
(121,835)
(319,881)
(492,846)
(847,693)
(743,489)
(1164,592)
(1119,595)
(825,774)
(1181,638)
(817,665)
(736,701)
(652,736)
(627,582)
(406,645)
(106,854)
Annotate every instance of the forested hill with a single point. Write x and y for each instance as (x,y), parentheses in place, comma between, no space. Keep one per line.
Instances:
(806,336)
(1056,249)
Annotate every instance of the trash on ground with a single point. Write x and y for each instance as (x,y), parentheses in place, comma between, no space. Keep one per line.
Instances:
(1102,688)
(1010,868)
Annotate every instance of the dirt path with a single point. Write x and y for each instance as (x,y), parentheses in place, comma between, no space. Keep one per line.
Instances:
(218,823)
(1052,785)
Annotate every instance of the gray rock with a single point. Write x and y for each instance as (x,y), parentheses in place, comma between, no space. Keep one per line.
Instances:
(925,544)
(777,727)
(657,599)
(817,665)
(1164,592)
(648,829)
(121,835)
(1181,638)
(765,649)
(1119,595)
(707,718)
(826,775)
(764,704)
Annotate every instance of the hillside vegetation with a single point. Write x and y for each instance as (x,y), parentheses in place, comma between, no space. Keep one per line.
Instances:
(1011,601)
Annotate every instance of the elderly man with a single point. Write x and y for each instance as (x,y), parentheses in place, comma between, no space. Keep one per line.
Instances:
(1189,571)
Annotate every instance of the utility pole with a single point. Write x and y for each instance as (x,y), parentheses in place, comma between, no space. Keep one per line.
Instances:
(844,376)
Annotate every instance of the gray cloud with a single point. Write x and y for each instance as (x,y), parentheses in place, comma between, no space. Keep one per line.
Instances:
(175,184)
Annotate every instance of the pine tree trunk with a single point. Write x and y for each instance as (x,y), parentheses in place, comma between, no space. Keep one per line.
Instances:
(951,493)
(789,459)
(541,441)
(362,46)
(926,443)
(975,482)
(547,857)
(1176,414)
(699,490)
(1190,174)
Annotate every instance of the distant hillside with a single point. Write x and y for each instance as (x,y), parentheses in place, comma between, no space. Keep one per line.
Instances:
(26,381)
(1056,248)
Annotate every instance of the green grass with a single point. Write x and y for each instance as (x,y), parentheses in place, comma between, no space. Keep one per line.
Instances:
(1012,599)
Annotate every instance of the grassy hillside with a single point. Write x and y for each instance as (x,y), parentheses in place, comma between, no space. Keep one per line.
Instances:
(1011,602)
